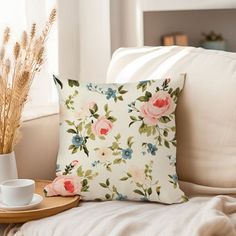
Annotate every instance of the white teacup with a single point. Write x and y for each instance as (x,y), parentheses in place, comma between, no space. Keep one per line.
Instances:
(17,192)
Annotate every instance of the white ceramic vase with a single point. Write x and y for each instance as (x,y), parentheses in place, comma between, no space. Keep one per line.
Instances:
(8,169)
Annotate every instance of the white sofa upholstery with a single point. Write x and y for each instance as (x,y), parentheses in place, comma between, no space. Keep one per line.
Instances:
(206,112)
(206,156)
(36,152)
(206,122)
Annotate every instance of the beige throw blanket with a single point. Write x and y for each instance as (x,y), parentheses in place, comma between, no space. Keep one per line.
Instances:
(201,216)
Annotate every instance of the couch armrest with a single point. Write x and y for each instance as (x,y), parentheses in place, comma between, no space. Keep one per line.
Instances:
(36,152)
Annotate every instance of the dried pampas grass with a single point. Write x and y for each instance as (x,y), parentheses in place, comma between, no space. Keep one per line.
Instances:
(16,76)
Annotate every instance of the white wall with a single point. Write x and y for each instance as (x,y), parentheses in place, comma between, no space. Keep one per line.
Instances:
(166,5)
(91,30)
(69,48)
(84,39)
(115,14)
(95,39)
(124,25)
(128,23)
(221,21)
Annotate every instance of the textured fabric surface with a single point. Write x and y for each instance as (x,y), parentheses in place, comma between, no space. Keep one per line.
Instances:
(119,140)
(206,113)
(201,216)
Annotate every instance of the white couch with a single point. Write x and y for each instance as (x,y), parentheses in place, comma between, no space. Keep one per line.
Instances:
(37,150)
(206,152)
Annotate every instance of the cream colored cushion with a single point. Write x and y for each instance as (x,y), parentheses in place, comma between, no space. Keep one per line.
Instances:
(206,115)
(118,141)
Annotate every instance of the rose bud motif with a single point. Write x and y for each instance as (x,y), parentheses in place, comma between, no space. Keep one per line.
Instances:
(102,126)
(64,185)
(74,163)
(160,104)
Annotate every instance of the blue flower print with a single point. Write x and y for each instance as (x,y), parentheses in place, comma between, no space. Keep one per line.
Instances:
(131,107)
(77,141)
(89,86)
(95,163)
(121,197)
(175,178)
(144,199)
(152,149)
(110,93)
(127,153)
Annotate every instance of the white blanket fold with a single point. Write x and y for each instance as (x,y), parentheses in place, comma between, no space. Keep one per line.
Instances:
(201,216)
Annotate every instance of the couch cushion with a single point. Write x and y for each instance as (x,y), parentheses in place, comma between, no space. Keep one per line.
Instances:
(119,140)
(36,151)
(206,116)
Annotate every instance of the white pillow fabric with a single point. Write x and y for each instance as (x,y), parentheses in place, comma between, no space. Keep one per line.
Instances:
(119,139)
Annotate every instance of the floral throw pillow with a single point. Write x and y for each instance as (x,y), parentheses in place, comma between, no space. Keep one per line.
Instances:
(119,139)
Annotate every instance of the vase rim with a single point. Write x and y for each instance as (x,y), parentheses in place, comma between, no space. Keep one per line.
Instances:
(7,154)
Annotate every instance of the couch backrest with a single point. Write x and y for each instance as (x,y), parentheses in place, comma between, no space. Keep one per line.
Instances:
(206,114)
(36,152)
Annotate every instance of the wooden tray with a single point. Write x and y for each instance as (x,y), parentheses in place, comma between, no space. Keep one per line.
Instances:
(48,207)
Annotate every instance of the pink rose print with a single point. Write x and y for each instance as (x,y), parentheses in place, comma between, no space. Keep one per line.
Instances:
(137,174)
(91,105)
(160,104)
(69,187)
(102,126)
(74,163)
(64,186)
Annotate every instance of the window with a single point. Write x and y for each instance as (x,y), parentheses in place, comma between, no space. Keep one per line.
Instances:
(19,15)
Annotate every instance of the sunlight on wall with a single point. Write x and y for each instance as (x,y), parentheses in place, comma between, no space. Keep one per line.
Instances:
(13,14)
(19,15)
(52,49)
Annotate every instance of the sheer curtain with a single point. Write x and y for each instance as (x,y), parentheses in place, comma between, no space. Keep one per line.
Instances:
(19,15)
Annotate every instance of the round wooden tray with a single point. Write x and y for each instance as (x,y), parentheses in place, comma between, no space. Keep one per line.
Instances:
(48,207)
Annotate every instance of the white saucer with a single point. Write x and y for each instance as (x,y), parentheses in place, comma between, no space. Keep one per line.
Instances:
(37,199)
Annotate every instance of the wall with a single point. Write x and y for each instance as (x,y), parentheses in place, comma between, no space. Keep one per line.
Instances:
(95,39)
(193,23)
(84,39)
(68,29)
(165,5)
(91,30)
(124,24)
(115,26)
(128,23)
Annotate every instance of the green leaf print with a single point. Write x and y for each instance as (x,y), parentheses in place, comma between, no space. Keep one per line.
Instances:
(73,83)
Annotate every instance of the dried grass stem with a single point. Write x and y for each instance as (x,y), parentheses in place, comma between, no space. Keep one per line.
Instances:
(16,76)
